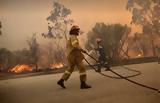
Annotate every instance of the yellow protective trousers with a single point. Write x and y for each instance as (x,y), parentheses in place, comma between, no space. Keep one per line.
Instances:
(75,58)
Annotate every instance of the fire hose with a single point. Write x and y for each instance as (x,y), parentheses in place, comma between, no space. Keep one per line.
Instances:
(119,75)
(138,72)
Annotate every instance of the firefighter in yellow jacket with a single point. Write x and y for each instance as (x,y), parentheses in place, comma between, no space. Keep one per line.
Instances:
(75,58)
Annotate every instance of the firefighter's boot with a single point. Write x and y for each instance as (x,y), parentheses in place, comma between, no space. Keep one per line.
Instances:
(107,66)
(84,85)
(61,83)
(99,68)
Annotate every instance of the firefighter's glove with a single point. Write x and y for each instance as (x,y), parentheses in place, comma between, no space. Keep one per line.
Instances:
(84,51)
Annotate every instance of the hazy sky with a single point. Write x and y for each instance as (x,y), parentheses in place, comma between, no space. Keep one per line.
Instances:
(21,18)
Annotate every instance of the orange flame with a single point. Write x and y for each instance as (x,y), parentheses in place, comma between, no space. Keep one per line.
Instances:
(21,68)
(139,55)
(56,66)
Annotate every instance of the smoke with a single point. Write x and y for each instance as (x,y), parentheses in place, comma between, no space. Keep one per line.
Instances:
(49,54)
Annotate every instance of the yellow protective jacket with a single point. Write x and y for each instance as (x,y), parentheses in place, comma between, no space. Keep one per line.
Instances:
(73,48)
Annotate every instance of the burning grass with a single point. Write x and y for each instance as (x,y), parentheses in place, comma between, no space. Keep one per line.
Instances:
(21,68)
(57,66)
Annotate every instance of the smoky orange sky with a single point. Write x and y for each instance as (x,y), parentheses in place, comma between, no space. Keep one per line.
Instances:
(21,18)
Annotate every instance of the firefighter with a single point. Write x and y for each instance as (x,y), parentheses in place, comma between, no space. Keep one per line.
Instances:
(75,58)
(101,56)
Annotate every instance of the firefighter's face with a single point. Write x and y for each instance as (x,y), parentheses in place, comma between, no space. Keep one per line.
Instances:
(99,43)
(77,31)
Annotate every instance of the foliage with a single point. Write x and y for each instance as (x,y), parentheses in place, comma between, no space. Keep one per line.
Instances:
(58,20)
(146,13)
(22,57)
(6,58)
(112,35)
(33,49)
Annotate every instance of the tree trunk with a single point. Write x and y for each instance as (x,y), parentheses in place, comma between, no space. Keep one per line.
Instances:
(36,67)
(153,48)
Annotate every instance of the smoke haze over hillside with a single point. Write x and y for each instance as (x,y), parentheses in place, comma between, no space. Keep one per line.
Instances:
(21,18)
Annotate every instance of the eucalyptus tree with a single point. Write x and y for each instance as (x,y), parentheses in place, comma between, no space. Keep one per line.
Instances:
(58,22)
(33,50)
(113,38)
(146,13)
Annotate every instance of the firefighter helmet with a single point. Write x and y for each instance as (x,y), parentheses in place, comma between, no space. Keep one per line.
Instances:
(74,30)
(99,40)
(75,27)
